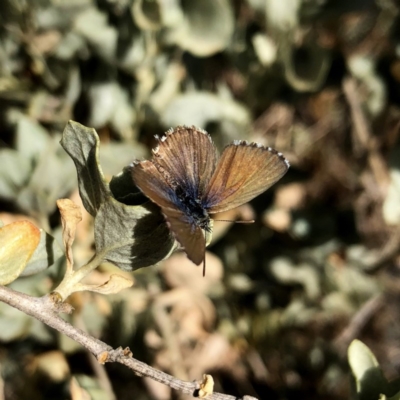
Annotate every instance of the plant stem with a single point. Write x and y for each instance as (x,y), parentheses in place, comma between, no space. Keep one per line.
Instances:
(46,310)
(67,285)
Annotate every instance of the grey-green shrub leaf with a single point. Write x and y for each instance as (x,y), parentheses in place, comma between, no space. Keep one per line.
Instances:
(81,143)
(130,235)
(31,137)
(39,173)
(114,156)
(302,73)
(92,25)
(51,179)
(391,204)
(204,27)
(146,14)
(202,108)
(14,172)
(47,252)
(135,236)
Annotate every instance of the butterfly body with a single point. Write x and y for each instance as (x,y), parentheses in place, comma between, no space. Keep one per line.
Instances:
(188,199)
(190,182)
(194,208)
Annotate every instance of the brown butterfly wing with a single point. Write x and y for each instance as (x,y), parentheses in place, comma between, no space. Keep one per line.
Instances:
(243,172)
(154,184)
(189,156)
(189,235)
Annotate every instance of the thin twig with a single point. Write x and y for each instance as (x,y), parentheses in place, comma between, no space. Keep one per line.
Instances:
(164,323)
(358,322)
(364,134)
(67,285)
(46,310)
(99,369)
(386,253)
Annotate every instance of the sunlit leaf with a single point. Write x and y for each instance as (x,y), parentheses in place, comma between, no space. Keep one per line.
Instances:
(367,373)
(18,241)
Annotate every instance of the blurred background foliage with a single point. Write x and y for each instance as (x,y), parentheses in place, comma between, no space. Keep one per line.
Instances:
(284,297)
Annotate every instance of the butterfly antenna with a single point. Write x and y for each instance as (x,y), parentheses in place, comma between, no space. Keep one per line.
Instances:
(251,221)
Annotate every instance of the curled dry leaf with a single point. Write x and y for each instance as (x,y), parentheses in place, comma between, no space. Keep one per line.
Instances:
(53,364)
(18,242)
(278,219)
(283,20)
(178,272)
(70,217)
(215,353)
(193,312)
(291,196)
(206,27)
(115,284)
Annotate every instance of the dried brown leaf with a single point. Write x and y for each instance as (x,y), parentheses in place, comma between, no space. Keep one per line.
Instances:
(70,217)
(115,284)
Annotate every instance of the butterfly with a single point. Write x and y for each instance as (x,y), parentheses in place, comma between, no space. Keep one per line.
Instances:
(189,181)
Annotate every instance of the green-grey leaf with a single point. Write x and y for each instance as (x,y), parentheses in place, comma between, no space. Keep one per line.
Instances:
(81,143)
(37,174)
(136,236)
(92,25)
(14,172)
(51,179)
(202,108)
(47,252)
(124,190)
(204,27)
(32,138)
(130,235)
(15,324)
(367,373)
(114,156)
